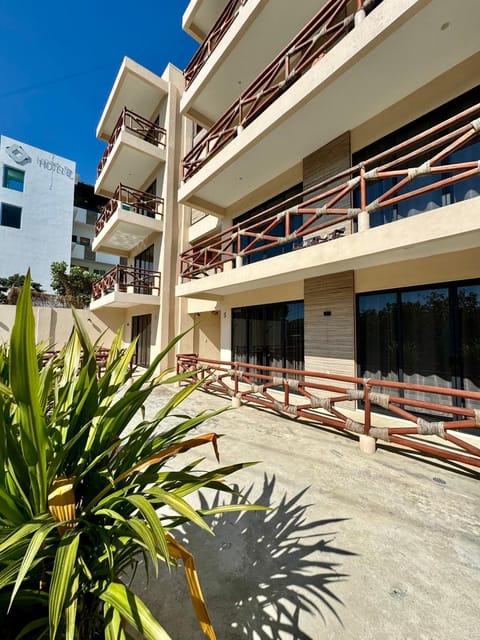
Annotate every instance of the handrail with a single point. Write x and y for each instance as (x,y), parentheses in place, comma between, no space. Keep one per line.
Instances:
(127,279)
(331,24)
(320,215)
(141,127)
(141,203)
(213,38)
(406,409)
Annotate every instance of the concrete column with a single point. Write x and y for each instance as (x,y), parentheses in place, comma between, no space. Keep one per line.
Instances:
(367,444)
(363,221)
(238,262)
(359,16)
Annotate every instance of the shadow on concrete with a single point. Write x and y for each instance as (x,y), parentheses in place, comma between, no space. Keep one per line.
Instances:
(265,574)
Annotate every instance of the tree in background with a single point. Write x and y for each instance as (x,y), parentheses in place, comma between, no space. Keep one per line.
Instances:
(10,288)
(74,287)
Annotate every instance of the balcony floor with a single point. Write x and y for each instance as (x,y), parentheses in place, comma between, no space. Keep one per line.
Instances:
(386,535)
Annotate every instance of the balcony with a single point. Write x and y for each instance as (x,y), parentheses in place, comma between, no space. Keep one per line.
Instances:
(345,222)
(236,50)
(124,287)
(305,98)
(128,219)
(200,15)
(135,149)
(213,38)
(136,87)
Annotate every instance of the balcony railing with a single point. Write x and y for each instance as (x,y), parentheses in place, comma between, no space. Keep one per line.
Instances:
(318,397)
(429,163)
(133,200)
(139,126)
(127,280)
(213,38)
(330,25)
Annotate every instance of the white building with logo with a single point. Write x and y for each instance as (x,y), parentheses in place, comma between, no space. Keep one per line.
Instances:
(36,203)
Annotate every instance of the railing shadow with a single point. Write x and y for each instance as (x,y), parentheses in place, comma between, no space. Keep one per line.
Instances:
(265,574)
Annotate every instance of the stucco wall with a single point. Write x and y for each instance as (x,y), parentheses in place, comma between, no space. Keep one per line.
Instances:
(55,325)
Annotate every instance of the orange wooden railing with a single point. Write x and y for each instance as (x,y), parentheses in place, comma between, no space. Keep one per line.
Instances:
(212,40)
(416,410)
(139,126)
(127,280)
(328,213)
(331,24)
(138,202)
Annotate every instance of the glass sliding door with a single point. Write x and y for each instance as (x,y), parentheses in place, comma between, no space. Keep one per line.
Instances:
(424,335)
(468,304)
(426,345)
(377,335)
(144,279)
(142,329)
(269,335)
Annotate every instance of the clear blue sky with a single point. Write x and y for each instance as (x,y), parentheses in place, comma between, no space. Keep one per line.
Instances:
(58,61)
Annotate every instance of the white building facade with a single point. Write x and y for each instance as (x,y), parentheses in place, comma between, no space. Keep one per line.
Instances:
(36,203)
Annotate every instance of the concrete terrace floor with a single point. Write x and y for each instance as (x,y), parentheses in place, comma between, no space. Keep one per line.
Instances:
(383,546)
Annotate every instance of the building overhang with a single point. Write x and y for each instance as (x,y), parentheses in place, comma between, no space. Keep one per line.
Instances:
(131,160)
(125,230)
(123,300)
(362,76)
(242,54)
(199,17)
(448,229)
(136,88)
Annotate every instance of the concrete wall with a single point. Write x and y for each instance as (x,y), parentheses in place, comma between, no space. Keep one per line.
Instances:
(46,220)
(55,325)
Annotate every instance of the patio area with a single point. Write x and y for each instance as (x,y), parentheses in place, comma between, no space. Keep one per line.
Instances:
(356,546)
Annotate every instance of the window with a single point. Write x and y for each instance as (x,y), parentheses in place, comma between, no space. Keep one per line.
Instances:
(13,178)
(84,241)
(10,216)
(99,272)
(74,239)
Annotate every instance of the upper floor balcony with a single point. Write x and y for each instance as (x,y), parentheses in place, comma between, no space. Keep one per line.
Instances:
(246,36)
(135,86)
(417,199)
(200,15)
(127,220)
(124,287)
(320,86)
(135,148)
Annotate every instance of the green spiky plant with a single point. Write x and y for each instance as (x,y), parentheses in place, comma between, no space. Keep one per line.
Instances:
(85,492)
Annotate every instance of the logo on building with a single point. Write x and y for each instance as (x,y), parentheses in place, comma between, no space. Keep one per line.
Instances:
(18,154)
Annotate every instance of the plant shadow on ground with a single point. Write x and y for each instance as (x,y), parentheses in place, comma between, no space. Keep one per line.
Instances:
(262,573)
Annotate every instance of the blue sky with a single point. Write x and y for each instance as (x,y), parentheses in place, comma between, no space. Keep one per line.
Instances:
(58,61)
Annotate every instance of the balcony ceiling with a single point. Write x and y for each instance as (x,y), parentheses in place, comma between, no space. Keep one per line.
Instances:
(124,231)
(200,16)
(136,88)
(253,40)
(368,71)
(131,161)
